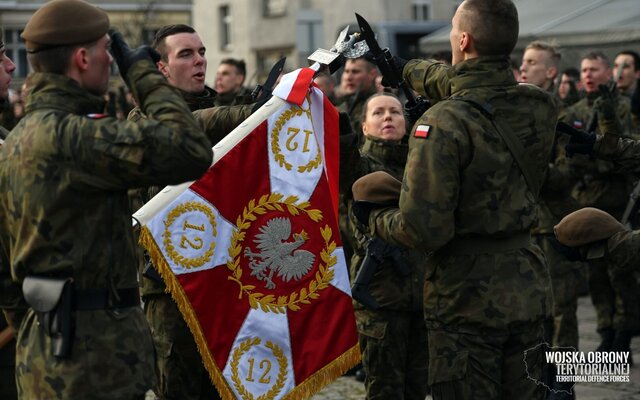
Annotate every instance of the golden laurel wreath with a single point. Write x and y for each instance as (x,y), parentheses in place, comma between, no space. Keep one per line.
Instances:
(275,141)
(324,275)
(168,244)
(282,371)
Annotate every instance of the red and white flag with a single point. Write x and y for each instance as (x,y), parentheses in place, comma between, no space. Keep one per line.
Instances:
(252,255)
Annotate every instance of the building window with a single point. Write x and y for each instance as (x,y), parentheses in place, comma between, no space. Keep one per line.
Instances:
(225,28)
(274,8)
(421,10)
(16,51)
(309,31)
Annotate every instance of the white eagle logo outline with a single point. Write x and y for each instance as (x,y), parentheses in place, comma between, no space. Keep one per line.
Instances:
(277,255)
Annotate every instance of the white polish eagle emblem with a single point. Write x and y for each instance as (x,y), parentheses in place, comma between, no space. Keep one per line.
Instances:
(276,254)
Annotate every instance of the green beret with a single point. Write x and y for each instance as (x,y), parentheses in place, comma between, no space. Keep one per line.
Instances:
(63,23)
(585,226)
(377,187)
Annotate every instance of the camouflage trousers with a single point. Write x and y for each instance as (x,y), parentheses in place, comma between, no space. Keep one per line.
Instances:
(615,295)
(181,374)
(394,354)
(566,280)
(111,358)
(489,366)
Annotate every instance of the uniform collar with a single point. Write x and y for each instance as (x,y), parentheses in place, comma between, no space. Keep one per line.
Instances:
(56,91)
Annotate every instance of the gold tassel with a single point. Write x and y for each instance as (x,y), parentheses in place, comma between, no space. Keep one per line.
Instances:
(304,390)
(184,305)
(326,375)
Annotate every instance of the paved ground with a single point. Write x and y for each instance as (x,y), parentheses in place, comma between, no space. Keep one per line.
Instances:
(347,388)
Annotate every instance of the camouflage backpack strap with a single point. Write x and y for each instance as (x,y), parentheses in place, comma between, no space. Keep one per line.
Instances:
(514,145)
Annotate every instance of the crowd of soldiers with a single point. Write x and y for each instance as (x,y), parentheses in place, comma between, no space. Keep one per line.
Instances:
(474,220)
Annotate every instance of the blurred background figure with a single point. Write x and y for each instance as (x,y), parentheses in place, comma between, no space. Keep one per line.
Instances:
(327,84)
(570,86)
(229,80)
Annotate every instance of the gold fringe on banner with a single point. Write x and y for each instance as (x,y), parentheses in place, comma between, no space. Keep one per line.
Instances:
(180,297)
(303,390)
(326,375)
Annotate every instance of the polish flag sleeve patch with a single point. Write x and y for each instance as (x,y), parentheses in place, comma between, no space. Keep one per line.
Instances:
(422,131)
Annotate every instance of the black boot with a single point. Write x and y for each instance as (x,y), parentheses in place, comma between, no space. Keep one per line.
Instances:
(607,336)
(622,342)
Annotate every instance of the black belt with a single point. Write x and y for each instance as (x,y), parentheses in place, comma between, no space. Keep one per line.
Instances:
(486,245)
(101,299)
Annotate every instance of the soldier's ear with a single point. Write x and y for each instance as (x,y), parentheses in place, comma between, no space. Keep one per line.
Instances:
(80,58)
(162,67)
(465,42)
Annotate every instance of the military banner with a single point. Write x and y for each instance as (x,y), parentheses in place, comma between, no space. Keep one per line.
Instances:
(252,255)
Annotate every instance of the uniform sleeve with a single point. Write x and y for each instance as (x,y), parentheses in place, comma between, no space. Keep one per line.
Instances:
(429,78)
(217,122)
(168,147)
(624,152)
(623,249)
(425,219)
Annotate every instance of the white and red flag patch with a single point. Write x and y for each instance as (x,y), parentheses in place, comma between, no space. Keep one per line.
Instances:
(422,131)
(252,255)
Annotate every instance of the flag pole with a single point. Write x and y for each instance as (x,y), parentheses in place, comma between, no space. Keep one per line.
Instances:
(322,58)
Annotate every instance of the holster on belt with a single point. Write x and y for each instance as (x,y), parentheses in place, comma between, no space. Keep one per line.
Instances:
(51,299)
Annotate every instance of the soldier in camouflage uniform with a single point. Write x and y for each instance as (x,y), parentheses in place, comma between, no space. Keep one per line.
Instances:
(627,82)
(393,338)
(11,302)
(568,91)
(181,373)
(591,234)
(540,64)
(229,79)
(614,292)
(65,223)
(470,196)
(357,84)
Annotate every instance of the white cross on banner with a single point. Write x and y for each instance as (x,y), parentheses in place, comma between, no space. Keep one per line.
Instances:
(252,255)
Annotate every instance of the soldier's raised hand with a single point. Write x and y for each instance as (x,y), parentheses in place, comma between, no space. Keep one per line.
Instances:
(606,105)
(125,57)
(581,142)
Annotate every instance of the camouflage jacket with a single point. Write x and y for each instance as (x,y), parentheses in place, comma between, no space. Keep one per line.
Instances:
(216,122)
(66,171)
(353,106)
(623,152)
(623,250)
(389,287)
(461,183)
(555,197)
(600,185)
(10,291)
(243,96)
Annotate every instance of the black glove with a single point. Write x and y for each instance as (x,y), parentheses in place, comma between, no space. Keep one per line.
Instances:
(362,209)
(581,142)
(259,103)
(570,253)
(398,64)
(125,57)
(606,104)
